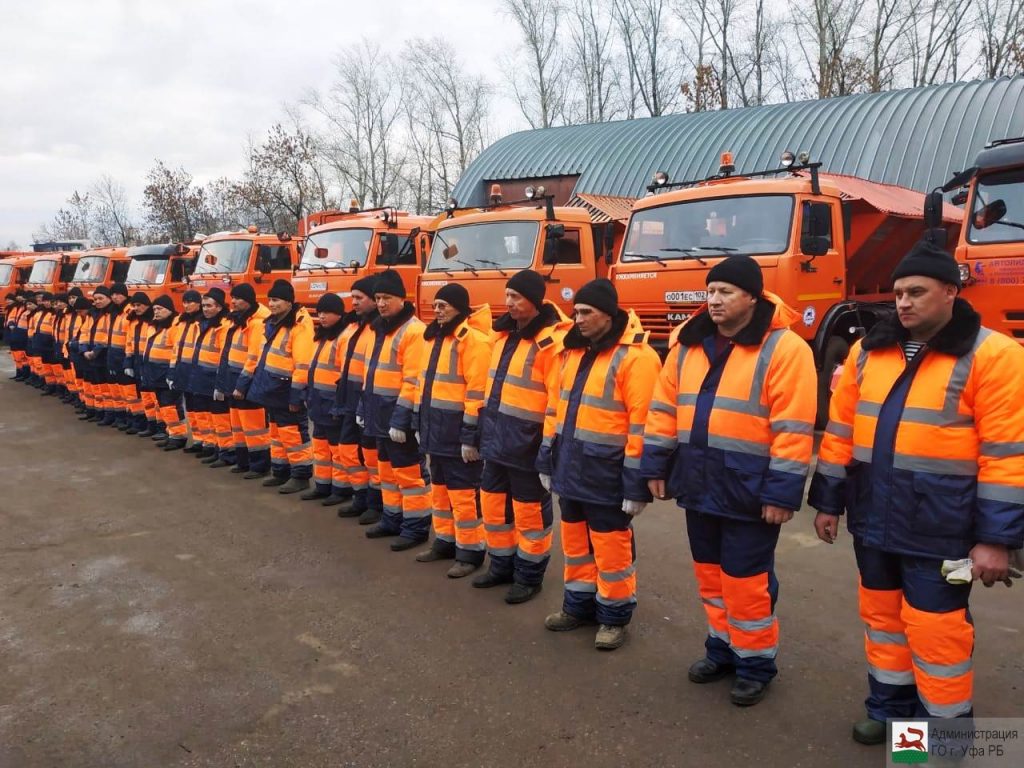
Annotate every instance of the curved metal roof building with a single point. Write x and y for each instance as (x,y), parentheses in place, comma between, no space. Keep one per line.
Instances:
(916,138)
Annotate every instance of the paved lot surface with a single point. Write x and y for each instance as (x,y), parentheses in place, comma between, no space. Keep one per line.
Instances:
(154,612)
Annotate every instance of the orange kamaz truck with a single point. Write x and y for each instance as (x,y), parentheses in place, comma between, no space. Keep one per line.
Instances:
(827,245)
(161,269)
(52,271)
(340,247)
(991,246)
(244,256)
(481,248)
(98,266)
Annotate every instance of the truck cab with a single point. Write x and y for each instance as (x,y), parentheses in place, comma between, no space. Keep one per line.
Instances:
(481,248)
(827,245)
(990,250)
(161,269)
(52,271)
(244,256)
(341,247)
(15,268)
(98,266)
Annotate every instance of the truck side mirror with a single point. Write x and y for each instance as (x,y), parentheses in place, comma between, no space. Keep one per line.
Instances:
(263,265)
(960,198)
(814,246)
(933,210)
(817,229)
(388,249)
(450,251)
(555,231)
(609,242)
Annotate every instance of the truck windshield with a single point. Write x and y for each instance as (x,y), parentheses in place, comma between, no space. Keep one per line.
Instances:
(755,224)
(42,271)
(997,215)
(6,270)
(345,248)
(91,269)
(494,245)
(147,271)
(223,256)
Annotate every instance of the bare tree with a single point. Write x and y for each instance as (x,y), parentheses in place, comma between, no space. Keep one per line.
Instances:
(936,38)
(175,208)
(593,63)
(71,223)
(539,87)
(887,24)
(825,34)
(446,110)
(653,66)
(112,219)
(1001,25)
(363,110)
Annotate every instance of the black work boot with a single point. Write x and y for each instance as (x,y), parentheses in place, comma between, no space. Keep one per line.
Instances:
(707,671)
(746,693)
(294,485)
(868,731)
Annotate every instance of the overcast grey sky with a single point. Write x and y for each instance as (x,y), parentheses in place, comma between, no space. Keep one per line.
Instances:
(109,86)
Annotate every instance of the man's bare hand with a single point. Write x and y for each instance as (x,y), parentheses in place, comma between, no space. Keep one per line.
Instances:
(657,488)
(991,563)
(775,515)
(827,527)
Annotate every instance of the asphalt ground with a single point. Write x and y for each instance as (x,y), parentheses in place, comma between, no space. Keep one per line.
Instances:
(154,612)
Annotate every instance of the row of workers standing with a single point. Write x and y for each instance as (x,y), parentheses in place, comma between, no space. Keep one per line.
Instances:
(924,449)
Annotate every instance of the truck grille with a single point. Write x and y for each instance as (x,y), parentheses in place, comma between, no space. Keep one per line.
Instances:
(657,321)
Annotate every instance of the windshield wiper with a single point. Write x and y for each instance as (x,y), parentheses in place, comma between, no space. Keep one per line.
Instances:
(645,256)
(722,248)
(1009,224)
(468,266)
(496,266)
(688,253)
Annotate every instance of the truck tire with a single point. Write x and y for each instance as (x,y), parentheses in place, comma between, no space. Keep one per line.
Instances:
(835,353)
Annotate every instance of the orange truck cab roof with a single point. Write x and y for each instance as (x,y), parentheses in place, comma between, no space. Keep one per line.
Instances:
(482,248)
(991,246)
(51,271)
(244,256)
(862,229)
(160,269)
(341,247)
(98,266)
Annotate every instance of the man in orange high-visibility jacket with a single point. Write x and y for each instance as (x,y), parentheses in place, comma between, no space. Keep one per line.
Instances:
(250,433)
(122,389)
(143,405)
(17,336)
(276,379)
(924,451)
(160,349)
(41,341)
(95,344)
(79,307)
(324,365)
(389,392)
(449,396)
(734,407)
(202,382)
(358,451)
(593,440)
(516,507)
(188,323)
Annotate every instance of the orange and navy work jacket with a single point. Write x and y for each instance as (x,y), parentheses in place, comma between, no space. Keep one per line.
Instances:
(594,425)
(244,340)
(277,377)
(117,353)
(41,341)
(78,322)
(355,340)
(453,376)
(183,362)
(160,347)
(926,457)
(327,356)
(138,332)
(95,337)
(17,328)
(392,373)
(207,353)
(524,366)
(731,424)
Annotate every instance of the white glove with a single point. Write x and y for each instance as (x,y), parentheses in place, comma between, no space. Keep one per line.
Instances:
(545,480)
(960,571)
(396,435)
(416,434)
(633,508)
(471,453)
(218,396)
(360,422)
(129,372)
(170,384)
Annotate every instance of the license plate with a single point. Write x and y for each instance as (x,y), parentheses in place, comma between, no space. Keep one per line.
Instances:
(685,297)
(318,286)
(677,317)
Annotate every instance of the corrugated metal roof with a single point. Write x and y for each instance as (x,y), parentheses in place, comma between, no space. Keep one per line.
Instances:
(915,138)
(604,208)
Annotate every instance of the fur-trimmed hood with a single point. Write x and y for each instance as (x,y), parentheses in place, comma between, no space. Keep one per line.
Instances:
(956,337)
(770,314)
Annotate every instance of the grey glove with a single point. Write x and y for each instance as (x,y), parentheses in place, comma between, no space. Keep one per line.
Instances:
(129,372)
(218,396)
(633,508)
(360,422)
(545,480)
(470,453)
(170,384)
(396,435)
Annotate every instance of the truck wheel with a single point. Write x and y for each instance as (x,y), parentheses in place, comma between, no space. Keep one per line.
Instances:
(835,353)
